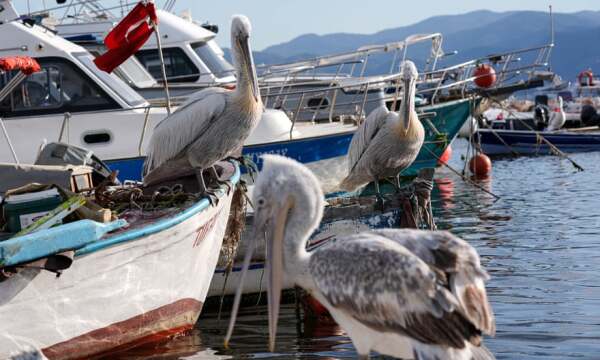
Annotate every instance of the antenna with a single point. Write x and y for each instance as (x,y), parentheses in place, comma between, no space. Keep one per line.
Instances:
(551,26)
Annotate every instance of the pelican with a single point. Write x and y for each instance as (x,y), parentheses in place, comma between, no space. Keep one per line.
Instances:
(404,293)
(386,142)
(213,123)
(557,118)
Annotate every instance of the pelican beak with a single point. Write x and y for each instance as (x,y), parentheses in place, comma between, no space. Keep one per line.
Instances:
(238,294)
(272,228)
(249,60)
(274,268)
(408,103)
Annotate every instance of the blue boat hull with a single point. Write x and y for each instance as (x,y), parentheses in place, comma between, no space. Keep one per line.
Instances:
(509,142)
(448,119)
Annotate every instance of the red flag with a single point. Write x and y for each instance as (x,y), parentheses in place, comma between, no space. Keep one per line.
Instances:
(128,36)
(24,63)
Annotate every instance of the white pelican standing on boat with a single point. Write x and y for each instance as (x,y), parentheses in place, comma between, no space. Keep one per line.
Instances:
(404,293)
(558,118)
(387,142)
(213,123)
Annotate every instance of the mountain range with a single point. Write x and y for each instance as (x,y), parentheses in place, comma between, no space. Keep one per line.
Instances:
(474,34)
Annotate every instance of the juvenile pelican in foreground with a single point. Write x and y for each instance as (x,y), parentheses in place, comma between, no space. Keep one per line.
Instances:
(213,123)
(557,118)
(402,293)
(387,142)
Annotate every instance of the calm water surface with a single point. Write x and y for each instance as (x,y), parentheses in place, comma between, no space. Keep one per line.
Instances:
(540,243)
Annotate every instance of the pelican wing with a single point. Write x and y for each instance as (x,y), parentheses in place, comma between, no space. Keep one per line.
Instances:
(365,132)
(457,264)
(384,286)
(180,129)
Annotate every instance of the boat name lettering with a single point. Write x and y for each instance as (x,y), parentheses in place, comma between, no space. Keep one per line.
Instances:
(205,229)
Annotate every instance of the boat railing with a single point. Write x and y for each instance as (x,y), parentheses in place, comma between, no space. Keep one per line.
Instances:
(435,86)
(509,67)
(398,50)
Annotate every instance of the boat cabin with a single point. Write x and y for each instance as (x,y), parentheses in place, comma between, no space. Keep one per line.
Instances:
(190,52)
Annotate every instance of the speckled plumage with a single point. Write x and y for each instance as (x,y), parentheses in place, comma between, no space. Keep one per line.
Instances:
(381,147)
(213,123)
(402,281)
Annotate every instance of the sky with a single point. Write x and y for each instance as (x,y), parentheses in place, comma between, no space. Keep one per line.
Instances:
(277,21)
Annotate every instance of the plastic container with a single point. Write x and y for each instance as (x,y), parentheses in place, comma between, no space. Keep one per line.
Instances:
(24,209)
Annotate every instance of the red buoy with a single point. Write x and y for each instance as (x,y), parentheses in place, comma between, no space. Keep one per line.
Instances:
(480,165)
(485,76)
(446,155)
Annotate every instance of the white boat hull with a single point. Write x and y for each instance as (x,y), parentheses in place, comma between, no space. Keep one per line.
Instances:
(130,293)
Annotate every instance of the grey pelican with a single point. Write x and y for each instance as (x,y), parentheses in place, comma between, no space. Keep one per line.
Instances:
(557,118)
(387,142)
(213,123)
(402,293)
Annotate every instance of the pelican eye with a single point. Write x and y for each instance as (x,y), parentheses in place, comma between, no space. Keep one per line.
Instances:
(260,202)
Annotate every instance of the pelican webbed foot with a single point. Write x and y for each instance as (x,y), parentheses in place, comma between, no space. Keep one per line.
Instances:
(203,189)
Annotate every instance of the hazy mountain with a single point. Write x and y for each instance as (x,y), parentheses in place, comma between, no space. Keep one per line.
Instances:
(473,34)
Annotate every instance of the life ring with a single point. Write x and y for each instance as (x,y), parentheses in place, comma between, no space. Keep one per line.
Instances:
(586,74)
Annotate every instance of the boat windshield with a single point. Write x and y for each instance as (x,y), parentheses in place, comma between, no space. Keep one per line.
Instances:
(135,72)
(213,58)
(117,85)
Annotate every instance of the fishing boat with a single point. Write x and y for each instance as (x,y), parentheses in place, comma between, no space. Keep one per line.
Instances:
(153,276)
(500,142)
(151,267)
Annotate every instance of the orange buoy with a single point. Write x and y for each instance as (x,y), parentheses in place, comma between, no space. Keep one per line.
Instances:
(485,76)
(480,165)
(446,155)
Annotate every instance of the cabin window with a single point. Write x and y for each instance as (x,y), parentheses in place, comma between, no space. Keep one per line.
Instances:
(317,102)
(178,66)
(59,87)
(213,59)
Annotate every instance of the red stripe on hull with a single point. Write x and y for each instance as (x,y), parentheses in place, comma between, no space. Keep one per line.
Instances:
(152,326)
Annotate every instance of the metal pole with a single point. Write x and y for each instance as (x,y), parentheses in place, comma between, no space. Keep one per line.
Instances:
(65,125)
(162,67)
(10,145)
(144,131)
